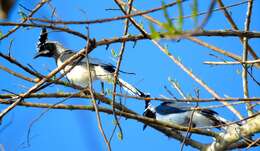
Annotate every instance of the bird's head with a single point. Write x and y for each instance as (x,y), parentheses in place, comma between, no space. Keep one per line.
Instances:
(47,48)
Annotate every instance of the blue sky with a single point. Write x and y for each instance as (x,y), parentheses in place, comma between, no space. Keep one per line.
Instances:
(77,130)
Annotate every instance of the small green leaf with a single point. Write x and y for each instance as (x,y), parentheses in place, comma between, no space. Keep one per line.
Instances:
(109,91)
(110,80)
(120,136)
(154,33)
(177,84)
(238,72)
(93,101)
(173,81)
(180,18)
(114,122)
(22,14)
(114,54)
(166,15)
(1,33)
(169,26)
(194,12)
(141,24)
(66,83)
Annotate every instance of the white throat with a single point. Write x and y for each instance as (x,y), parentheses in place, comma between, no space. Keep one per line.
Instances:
(60,48)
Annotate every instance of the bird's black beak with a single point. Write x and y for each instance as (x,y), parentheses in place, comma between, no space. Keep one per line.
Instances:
(37,55)
(144,127)
(145,114)
(150,114)
(40,54)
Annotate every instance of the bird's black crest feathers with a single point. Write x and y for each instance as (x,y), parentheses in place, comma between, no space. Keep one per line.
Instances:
(42,40)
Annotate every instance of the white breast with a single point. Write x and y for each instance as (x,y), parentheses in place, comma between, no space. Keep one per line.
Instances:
(184,119)
(178,118)
(78,75)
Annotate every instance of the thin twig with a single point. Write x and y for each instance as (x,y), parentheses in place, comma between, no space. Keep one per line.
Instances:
(122,49)
(37,7)
(214,10)
(234,26)
(245,56)
(208,15)
(109,111)
(184,34)
(214,48)
(177,87)
(190,126)
(41,115)
(105,100)
(256,142)
(32,72)
(231,62)
(18,64)
(79,55)
(16,74)
(109,19)
(203,84)
(67,30)
(185,69)
(188,135)
(100,127)
(169,92)
(234,63)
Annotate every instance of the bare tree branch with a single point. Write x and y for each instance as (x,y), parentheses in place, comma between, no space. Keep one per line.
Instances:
(37,7)
(245,57)
(247,129)
(234,26)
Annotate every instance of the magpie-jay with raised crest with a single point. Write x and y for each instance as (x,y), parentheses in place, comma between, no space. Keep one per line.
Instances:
(81,70)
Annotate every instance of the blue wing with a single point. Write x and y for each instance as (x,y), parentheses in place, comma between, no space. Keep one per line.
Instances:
(106,66)
(92,61)
(165,109)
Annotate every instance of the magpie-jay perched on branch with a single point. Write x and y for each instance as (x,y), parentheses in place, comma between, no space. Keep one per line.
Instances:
(181,115)
(79,74)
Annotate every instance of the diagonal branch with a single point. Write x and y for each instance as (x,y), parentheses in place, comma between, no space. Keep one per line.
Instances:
(202,33)
(18,99)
